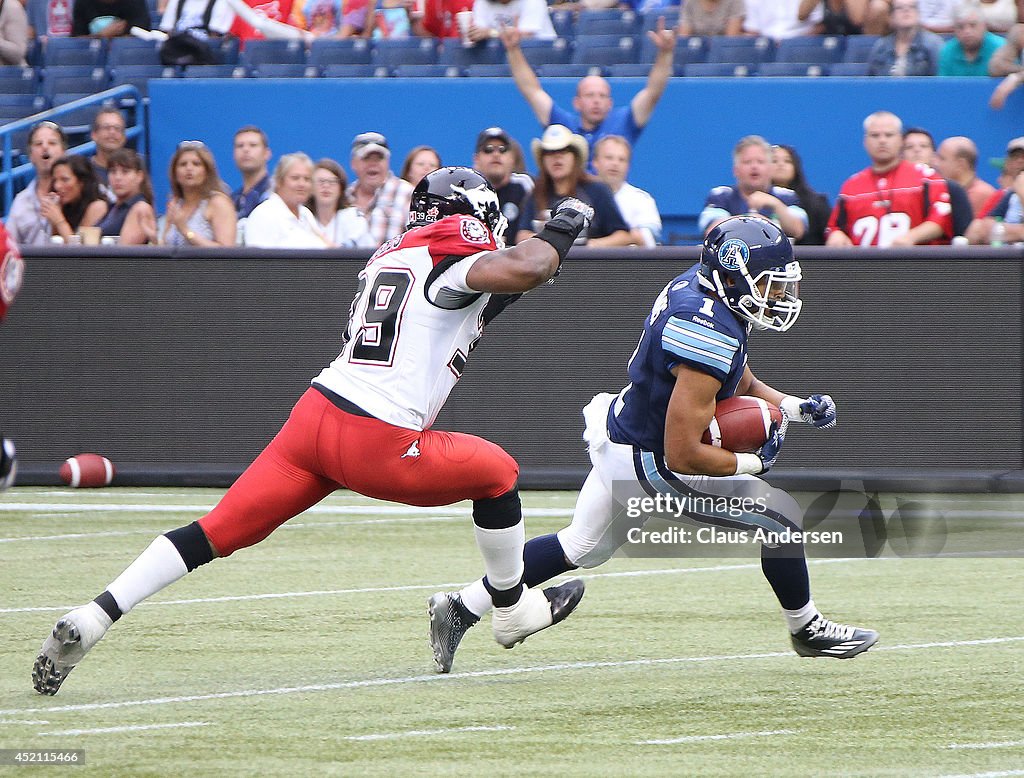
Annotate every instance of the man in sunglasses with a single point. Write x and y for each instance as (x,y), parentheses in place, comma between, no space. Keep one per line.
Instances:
(494,157)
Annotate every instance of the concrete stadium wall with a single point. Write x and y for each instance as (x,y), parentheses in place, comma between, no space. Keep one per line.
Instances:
(180,366)
(684,151)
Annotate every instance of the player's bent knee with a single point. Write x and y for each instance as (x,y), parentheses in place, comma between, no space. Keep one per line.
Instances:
(499,512)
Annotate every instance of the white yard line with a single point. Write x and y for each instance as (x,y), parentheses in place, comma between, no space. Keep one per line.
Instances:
(997,774)
(134,728)
(22,721)
(700,738)
(1006,744)
(436,678)
(425,733)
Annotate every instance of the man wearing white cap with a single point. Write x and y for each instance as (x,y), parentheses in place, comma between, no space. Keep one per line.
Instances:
(381,196)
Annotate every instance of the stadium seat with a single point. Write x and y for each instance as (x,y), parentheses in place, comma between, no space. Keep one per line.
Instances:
(127,50)
(489,71)
(821,49)
(225,49)
(452,52)
(91,52)
(564,23)
(740,51)
(339,51)
(554,52)
(215,71)
(650,18)
(278,70)
(629,70)
(34,53)
(853,69)
(569,71)
(719,70)
(355,71)
(689,48)
(858,47)
(277,52)
(16,80)
(139,76)
(77,79)
(793,69)
(607,21)
(392,52)
(426,71)
(606,50)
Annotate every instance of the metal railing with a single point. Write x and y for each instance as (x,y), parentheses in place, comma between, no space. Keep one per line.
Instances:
(22,174)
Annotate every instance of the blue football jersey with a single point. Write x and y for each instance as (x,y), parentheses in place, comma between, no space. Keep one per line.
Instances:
(687,326)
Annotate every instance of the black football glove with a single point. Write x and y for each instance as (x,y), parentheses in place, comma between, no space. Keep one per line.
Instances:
(569,218)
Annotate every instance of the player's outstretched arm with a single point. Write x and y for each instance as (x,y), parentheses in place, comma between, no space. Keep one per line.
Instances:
(529,264)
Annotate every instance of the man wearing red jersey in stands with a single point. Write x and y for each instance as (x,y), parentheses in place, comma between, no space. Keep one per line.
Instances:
(893,202)
(11,271)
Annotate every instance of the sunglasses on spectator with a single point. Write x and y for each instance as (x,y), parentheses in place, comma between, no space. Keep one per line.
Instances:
(490,149)
(191,144)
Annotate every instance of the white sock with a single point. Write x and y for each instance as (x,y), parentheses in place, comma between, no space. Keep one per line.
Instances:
(158,566)
(476,598)
(502,550)
(797,620)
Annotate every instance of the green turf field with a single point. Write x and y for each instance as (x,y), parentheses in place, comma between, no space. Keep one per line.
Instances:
(307,655)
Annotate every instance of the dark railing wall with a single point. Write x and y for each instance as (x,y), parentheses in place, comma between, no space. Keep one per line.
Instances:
(179,366)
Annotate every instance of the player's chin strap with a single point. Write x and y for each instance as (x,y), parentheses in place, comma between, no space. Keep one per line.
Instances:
(570,218)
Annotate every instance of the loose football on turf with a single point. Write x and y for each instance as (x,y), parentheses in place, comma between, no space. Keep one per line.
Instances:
(87,470)
(741,424)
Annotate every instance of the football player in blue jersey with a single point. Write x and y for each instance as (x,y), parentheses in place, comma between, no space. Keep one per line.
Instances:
(646,440)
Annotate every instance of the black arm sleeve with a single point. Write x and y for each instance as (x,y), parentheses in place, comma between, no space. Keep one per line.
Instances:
(497,304)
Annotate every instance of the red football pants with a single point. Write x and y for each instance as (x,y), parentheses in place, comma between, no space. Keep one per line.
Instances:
(322,448)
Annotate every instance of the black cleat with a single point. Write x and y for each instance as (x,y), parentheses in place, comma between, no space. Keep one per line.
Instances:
(564,599)
(821,637)
(449,621)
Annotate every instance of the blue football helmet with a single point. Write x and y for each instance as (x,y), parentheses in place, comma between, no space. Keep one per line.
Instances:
(748,262)
(451,190)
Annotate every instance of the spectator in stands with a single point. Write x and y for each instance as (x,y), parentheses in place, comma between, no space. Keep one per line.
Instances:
(788,172)
(108,18)
(283,221)
(336,219)
(198,213)
(495,158)
(530,17)
(937,15)
(968,53)
(1009,211)
(593,113)
(192,14)
(438,19)
(1000,15)
(75,199)
(753,192)
(381,196)
(997,204)
(272,13)
(957,161)
(131,218)
(909,50)
(892,202)
(611,161)
(1006,61)
(848,17)
(561,157)
(108,133)
(780,19)
(14,33)
(251,153)
(25,222)
(324,17)
(418,162)
(919,148)
(49,19)
(390,19)
(711,17)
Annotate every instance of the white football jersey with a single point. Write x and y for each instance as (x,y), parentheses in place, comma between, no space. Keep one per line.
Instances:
(412,323)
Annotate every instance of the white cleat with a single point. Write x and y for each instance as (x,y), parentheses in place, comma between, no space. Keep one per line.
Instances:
(536,610)
(73,635)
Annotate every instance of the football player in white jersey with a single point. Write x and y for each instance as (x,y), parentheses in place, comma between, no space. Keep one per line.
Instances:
(365,423)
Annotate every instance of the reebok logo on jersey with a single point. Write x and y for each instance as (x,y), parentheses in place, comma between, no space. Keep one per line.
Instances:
(474,231)
(414,450)
(705,322)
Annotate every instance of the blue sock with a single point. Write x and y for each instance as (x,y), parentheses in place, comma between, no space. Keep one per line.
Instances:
(544,558)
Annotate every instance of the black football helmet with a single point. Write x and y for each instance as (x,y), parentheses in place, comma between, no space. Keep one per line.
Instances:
(451,190)
(748,262)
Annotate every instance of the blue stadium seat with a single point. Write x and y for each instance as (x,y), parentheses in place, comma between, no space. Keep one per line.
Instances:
(34,53)
(139,76)
(555,52)
(127,50)
(606,50)
(793,69)
(427,71)
(278,70)
(564,23)
(740,51)
(489,71)
(689,48)
(719,70)
(339,51)
(821,49)
(16,80)
(77,79)
(490,52)
(12,110)
(392,52)
(851,69)
(629,70)
(91,52)
(355,71)
(858,47)
(215,71)
(225,49)
(277,52)
(607,21)
(670,15)
(569,71)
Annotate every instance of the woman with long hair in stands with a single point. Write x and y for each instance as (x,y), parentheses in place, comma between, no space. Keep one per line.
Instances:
(75,199)
(788,171)
(339,221)
(199,212)
(131,219)
(420,161)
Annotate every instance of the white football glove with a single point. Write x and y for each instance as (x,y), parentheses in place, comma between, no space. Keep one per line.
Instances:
(818,410)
